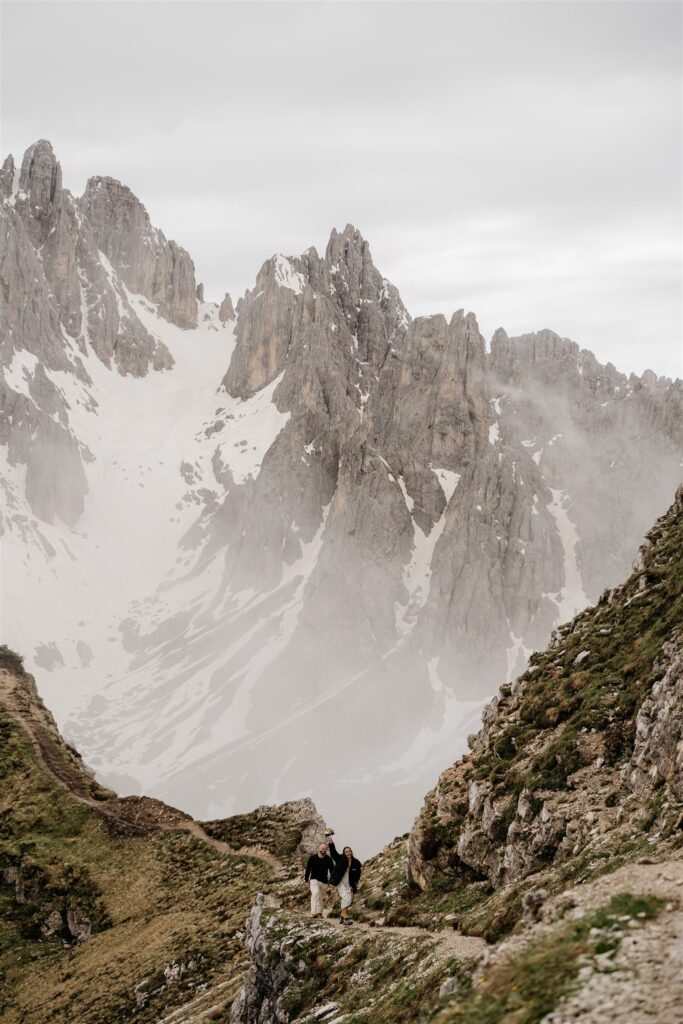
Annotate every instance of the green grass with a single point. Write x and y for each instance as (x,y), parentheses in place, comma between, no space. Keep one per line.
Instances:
(151,901)
(11,661)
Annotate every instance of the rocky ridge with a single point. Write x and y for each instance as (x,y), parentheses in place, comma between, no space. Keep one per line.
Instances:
(582,748)
(443,506)
(114,908)
(62,261)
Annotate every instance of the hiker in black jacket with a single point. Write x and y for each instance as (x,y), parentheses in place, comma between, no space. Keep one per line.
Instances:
(318,871)
(346,876)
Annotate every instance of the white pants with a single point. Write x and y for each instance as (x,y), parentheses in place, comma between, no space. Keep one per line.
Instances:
(317,896)
(345,891)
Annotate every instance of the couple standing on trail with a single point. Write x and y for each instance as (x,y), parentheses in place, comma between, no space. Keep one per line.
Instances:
(328,867)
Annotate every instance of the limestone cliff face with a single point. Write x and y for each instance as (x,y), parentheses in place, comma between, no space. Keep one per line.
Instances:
(424,516)
(63,297)
(657,749)
(147,263)
(457,486)
(71,242)
(262,996)
(34,421)
(586,425)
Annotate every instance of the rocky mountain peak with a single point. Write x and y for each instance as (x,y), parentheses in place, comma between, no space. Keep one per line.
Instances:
(342,297)
(41,168)
(6,178)
(511,356)
(113,209)
(372,306)
(226,311)
(347,247)
(37,193)
(148,264)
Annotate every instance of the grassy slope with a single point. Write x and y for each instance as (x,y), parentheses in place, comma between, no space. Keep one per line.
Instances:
(154,900)
(547,741)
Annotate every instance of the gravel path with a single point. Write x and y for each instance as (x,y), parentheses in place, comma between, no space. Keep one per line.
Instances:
(456,944)
(643,983)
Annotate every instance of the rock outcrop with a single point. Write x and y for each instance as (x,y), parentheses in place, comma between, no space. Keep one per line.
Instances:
(146,262)
(289,831)
(584,750)
(657,759)
(226,311)
(261,998)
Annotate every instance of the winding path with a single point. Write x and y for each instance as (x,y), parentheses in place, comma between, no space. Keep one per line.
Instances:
(145,816)
(122,811)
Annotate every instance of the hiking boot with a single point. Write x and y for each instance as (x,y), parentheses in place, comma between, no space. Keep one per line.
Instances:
(329,831)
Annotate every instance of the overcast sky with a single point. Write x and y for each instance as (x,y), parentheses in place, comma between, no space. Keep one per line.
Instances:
(520,159)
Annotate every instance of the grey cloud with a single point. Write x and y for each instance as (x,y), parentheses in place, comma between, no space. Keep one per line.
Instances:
(523,160)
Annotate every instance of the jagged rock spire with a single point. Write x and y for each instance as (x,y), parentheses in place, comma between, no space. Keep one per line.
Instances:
(148,264)
(226,311)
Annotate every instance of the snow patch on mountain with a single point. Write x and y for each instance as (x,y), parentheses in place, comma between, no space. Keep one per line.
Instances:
(572,598)
(449,480)
(136,509)
(417,573)
(287,277)
(20,372)
(250,426)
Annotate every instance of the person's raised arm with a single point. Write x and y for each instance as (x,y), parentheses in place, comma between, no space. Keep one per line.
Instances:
(336,857)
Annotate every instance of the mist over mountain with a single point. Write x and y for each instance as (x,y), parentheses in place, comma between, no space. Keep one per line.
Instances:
(289,549)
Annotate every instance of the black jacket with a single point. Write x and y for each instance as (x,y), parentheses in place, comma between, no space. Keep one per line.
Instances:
(340,866)
(319,868)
